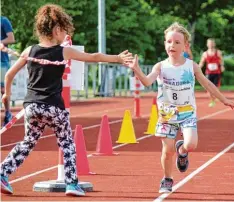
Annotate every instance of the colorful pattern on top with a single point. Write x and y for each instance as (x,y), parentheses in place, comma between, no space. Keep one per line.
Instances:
(176,100)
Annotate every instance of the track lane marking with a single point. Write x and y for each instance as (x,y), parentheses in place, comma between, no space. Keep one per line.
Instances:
(121,145)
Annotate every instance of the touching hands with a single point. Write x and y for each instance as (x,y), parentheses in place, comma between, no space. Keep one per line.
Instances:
(125,57)
(133,64)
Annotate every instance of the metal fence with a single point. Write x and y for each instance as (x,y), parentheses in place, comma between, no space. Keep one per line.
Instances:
(109,80)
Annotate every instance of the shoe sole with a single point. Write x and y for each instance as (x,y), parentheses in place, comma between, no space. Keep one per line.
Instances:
(5,190)
(177,151)
(74,193)
(164,191)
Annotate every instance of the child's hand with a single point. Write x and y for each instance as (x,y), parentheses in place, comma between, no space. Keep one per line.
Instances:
(229,103)
(133,64)
(5,99)
(125,57)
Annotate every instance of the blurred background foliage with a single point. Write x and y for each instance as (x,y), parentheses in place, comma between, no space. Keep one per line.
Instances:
(136,25)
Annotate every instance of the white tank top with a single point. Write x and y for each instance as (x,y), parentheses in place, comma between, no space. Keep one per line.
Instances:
(176,100)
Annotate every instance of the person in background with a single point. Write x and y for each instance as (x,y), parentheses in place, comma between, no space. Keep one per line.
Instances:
(214,66)
(7,37)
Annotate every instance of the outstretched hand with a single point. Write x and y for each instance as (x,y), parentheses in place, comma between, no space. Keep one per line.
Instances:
(229,103)
(133,64)
(5,99)
(125,57)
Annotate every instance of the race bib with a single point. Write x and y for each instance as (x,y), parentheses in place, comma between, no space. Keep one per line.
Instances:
(212,66)
(179,96)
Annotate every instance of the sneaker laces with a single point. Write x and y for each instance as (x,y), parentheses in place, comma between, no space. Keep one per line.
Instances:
(78,188)
(183,160)
(167,183)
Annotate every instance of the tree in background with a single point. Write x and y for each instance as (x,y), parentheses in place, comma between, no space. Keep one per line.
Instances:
(136,25)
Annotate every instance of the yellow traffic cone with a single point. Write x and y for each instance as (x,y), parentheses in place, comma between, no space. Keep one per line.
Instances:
(127,133)
(153,120)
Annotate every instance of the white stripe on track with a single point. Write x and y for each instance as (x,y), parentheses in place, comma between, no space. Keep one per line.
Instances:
(138,139)
(91,113)
(198,170)
(98,112)
(85,128)
(52,135)
(191,175)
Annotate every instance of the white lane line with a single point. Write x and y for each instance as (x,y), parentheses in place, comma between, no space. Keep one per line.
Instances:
(198,170)
(98,112)
(97,125)
(51,168)
(90,155)
(92,113)
(33,174)
(115,147)
(191,175)
(214,114)
(85,128)
(52,135)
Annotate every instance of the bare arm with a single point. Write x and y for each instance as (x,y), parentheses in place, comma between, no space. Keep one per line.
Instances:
(71,53)
(221,60)
(203,60)
(210,87)
(14,70)
(9,39)
(150,78)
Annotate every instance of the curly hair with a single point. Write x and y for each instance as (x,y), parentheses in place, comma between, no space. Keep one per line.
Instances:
(49,16)
(179,28)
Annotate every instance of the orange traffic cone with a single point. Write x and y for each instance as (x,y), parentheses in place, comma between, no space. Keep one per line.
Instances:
(104,144)
(82,163)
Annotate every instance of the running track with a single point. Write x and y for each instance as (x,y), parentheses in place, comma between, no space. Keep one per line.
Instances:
(134,175)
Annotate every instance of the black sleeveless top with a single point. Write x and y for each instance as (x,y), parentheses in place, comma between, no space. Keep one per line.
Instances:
(45,81)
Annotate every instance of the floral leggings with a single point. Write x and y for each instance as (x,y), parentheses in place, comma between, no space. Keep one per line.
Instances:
(37,116)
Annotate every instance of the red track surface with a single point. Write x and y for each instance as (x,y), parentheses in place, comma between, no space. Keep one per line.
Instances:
(135,174)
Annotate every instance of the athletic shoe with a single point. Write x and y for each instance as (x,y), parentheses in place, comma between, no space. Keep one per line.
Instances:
(166,185)
(7,118)
(74,190)
(181,160)
(212,104)
(5,186)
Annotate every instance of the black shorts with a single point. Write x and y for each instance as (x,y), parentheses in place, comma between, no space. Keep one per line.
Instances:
(214,78)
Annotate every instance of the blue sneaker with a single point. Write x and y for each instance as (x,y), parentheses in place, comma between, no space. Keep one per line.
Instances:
(5,186)
(7,118)
(74,190)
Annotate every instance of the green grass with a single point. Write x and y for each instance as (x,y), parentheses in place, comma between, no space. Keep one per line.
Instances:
(82,94)
(228,88)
